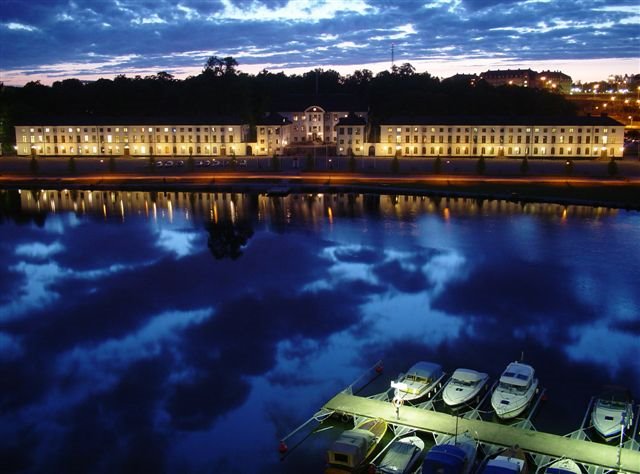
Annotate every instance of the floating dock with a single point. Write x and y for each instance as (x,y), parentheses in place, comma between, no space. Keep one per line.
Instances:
(535,442)
(595,457)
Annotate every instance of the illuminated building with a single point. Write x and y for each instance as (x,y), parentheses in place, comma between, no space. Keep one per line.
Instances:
(509,136)
(273,134)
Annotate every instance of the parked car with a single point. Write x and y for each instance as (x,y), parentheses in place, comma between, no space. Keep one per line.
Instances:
(158,164)
(180,163)
(215,163)
(168,164)
(242,163)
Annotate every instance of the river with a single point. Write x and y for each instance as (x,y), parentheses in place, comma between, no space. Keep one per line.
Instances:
(189,332)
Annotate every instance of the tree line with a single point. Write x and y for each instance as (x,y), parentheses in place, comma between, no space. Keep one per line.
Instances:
(221,89)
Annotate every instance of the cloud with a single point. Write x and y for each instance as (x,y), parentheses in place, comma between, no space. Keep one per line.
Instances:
(292,10)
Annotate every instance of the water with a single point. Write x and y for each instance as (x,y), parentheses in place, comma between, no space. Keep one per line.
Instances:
(177,332)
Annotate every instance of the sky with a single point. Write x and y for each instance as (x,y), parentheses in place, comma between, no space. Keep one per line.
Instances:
(51,40)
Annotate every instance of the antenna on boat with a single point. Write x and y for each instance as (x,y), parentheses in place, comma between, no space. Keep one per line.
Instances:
(521,356)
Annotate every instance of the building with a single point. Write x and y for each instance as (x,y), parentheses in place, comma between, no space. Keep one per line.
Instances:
(314,117)
(161,137)
(516,137)
(273,133)
(554,81)
(510,77)
(350,132)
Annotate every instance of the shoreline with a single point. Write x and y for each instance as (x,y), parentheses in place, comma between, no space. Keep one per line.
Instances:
(621,193)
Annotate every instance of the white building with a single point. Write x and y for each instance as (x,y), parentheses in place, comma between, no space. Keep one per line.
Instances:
(273,133)
(518,137)
(351,136)
(136,137)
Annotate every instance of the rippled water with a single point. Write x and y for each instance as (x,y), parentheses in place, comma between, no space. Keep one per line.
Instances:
(189,332)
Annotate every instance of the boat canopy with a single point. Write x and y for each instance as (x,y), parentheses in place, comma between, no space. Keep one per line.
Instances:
(398,457)
(503,465)
(444,459)
(426,370)
(615,393)
(352,443)
(468,375)
(517,374)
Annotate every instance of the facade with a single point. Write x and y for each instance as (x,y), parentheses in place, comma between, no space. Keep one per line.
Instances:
(350,133)
(517,137)
(135,137)
(510,77)
(314,117)
(273,134)
(555,81)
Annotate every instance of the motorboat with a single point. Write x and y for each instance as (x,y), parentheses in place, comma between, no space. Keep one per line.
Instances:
(463,386)
(353,447)
(509,461)
(455,455)
(401,456)
(419,380)
(515,390)
(612,411)
(563,466)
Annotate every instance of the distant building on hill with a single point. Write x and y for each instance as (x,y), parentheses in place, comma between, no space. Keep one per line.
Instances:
(551,80)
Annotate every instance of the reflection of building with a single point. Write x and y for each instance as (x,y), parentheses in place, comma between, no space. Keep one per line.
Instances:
(470,136)
(134,136)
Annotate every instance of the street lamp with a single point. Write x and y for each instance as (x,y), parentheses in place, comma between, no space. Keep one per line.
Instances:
(630,117)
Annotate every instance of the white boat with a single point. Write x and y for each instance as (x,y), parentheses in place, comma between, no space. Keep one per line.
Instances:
(353,447)
(463,386)
(509,461)
(402,456)
(419,380)
(455,455)
(563,466)
(612,410)
(515,390)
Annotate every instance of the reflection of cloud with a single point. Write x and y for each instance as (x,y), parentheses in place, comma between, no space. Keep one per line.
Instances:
(10,347)
(605,346)
(178,242)
(39,250)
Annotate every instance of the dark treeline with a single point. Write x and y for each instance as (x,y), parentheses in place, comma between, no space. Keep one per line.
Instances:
(221,90)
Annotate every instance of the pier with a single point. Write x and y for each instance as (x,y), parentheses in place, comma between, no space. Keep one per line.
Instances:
(595,457)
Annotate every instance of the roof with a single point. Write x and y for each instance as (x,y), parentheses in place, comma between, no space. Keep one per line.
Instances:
(468,375)
(517,374)
(446,458)
(273,118)
(351,119)
(426,369)
(131,120)
(329,102)
(523,120)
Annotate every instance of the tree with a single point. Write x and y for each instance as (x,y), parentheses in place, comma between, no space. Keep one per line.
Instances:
(34,165)
(221,67)
(71,166)
(568,167)
(612,167)
(395,165)
(481,165)
(524,166)
(437,165)
(310,162)
(275,163)
(352,161)
(112,164)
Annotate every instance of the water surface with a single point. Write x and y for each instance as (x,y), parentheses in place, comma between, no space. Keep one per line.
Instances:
(189,332)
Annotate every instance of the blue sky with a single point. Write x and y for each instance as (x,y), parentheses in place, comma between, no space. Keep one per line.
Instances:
(51,40)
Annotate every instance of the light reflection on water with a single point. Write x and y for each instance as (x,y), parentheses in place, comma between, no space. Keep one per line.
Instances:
(138,323)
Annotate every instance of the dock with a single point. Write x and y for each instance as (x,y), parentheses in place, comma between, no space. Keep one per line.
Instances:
(535,442)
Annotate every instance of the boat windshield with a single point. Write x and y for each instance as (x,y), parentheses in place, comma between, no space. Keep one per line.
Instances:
(508,387)
(612,404)
(466,383)
(416,378)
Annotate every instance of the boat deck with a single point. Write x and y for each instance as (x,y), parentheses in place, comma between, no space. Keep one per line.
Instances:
(535,442)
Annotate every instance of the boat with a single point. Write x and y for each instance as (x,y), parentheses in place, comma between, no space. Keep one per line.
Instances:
(455,455)
(612,411)
(419,380)
(401,456)
(351,450)
(563,466)
(463,386)
(508,461)
(515,390)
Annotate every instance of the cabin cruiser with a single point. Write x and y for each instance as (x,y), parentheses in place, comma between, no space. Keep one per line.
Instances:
(351,450)
(402,456)
(463,386)
(455,455)
(508,461)
(563,466)
(419,380)
(612,411)
(514,391)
